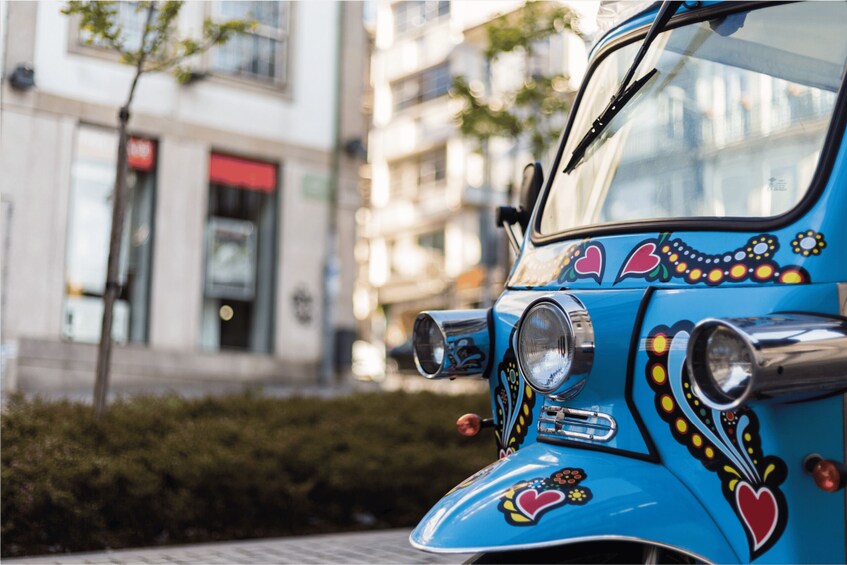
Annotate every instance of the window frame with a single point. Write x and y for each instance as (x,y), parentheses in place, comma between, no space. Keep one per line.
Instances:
(411,30)
(78,46)
(284,40)
(418,77)
(415,161)
(820,177)
(127,288)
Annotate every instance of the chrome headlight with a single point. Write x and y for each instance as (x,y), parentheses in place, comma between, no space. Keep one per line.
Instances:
(451,343)
(735,360)
(555,346)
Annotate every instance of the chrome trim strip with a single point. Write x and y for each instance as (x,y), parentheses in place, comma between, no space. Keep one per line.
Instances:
(561,416)
(564,542)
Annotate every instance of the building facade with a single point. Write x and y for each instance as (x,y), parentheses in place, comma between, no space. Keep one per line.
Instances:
(236,179)
(428,241)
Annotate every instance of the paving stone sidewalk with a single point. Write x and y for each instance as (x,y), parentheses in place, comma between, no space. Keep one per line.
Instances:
(388,546)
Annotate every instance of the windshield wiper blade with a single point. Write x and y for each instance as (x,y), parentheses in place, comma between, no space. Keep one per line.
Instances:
(606,116)
(625,92)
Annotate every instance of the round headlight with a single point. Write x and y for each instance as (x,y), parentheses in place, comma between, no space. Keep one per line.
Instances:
(555,346)
(729,362)
(429,345)
(721,365)
(545,347)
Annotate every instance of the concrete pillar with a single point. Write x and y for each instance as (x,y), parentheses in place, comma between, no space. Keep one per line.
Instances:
(182,194)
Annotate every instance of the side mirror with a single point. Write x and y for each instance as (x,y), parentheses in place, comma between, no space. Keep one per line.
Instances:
(507,216)
(533,181)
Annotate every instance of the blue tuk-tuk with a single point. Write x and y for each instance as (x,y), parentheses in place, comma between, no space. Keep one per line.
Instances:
(667,364)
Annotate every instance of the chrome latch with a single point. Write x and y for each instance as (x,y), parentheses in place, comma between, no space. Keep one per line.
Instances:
(576,424)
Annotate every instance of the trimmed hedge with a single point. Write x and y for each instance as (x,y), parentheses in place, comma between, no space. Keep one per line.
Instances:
(169,470)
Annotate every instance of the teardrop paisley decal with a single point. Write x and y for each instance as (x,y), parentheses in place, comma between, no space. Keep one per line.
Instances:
(726,443)
(662,259)
(513,404)
(526,502)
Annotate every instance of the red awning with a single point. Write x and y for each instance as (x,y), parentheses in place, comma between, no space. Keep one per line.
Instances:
(242,173)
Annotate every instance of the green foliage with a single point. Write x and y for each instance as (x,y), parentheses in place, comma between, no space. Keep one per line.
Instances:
(538,107)
(169,470)
(535,22)
(161,47)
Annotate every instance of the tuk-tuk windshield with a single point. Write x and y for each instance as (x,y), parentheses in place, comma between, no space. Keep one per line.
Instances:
(731,124)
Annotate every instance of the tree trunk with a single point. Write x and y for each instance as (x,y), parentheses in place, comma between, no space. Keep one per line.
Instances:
(119,199)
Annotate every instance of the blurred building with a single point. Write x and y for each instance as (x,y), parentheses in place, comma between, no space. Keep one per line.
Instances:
(232,180)
(428,239)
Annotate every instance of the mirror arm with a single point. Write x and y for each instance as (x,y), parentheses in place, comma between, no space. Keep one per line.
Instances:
(513,239)
(507,217)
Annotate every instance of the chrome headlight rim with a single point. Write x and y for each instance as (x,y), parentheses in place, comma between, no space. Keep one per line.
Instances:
(580,345)
(702,383)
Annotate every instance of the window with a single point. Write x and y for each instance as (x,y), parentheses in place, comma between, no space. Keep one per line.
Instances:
(432,167)
(410,176)
(130,18)
(730,124)
(428,85)
(261,53)
(432,240)
(417,13)
(240,255)
(89,226)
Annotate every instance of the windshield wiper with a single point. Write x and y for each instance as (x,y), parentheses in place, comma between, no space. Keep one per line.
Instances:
(625,90)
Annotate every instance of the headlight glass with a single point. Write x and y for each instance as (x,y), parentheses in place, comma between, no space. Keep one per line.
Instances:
(729,362)
(545,347)
(429,345)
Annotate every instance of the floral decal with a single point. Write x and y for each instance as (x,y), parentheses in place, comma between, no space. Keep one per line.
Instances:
(662,259)
(513,404)
(526,502)
(808,243)
(585,260)
(726,443)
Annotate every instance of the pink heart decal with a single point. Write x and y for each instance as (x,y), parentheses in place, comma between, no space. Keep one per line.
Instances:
(641,261)
(759,510)
(531,502)
(591,263)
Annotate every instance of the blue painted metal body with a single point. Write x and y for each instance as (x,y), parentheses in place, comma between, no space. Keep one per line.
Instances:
(621,507)
(675,474)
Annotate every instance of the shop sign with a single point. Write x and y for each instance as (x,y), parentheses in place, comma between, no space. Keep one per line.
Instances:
(141,154)
(316,187)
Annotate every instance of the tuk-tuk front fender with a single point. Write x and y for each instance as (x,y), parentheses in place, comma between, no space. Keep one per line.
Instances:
(545,495)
